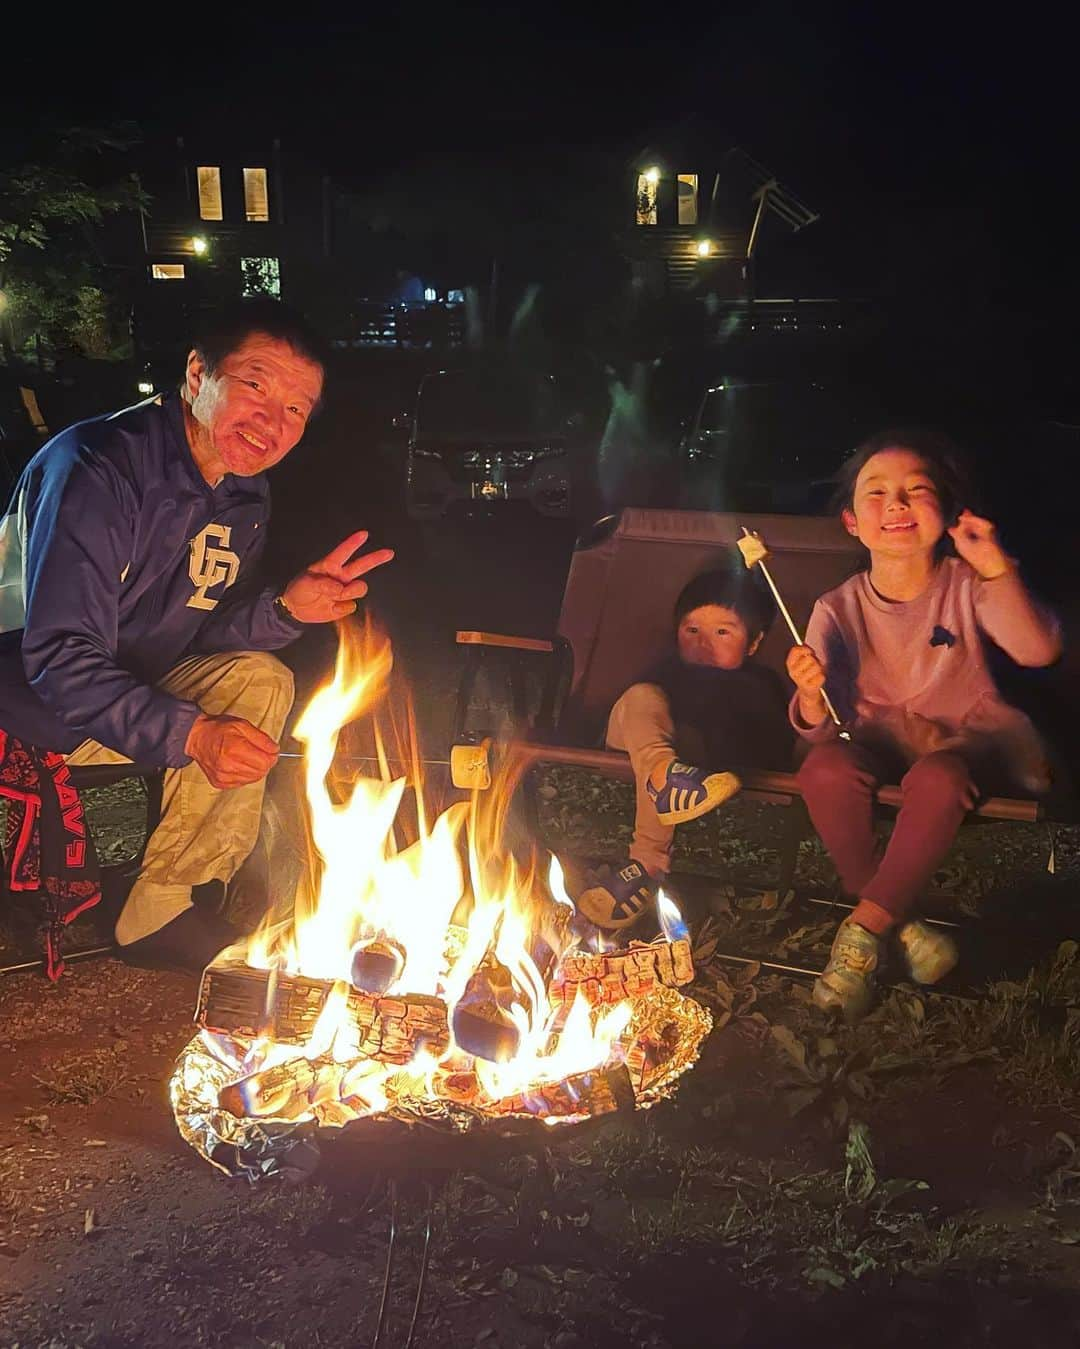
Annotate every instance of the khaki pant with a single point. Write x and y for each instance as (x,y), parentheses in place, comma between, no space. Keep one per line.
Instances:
(204,833)
(641,725)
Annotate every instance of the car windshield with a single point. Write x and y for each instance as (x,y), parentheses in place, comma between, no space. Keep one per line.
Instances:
(777,422)
(465,404)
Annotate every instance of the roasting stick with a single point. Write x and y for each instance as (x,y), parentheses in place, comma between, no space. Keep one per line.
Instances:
(754,556)
(802,972)
(372,758)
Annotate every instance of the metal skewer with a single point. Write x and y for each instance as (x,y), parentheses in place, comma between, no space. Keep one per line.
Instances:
(803,972)
(372,758)
(845,734)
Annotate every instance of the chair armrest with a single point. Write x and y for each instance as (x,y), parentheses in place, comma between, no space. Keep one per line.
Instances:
(500,639)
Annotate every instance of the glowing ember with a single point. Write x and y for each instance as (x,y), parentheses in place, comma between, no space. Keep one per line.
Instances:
(439,981)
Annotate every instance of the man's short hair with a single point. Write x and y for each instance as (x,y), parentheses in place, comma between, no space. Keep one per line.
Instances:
(227,329)
(732,586)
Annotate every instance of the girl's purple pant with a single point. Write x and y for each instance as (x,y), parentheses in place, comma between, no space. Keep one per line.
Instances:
(838,782)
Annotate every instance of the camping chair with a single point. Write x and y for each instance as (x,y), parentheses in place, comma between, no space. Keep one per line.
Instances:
(624,578)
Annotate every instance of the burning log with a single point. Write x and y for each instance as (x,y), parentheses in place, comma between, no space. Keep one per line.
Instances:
(251,1004)
(611,977)
(457,1084)
(278,1091)
(377,964)
(394,1030)
(240,1001)
(598,1092)
(483,1025)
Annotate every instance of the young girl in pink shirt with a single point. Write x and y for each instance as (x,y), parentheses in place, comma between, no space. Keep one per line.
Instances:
(902,649)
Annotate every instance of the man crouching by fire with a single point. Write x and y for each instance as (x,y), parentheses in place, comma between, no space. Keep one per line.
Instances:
(132,625)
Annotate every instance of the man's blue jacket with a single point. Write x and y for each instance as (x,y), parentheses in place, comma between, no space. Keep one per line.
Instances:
(117,560)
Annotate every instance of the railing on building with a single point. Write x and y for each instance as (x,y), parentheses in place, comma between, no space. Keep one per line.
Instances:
(409,324)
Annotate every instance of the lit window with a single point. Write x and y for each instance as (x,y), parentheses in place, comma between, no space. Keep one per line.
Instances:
(167,271)
(430,293)
(260,276)
(209,193)
(455,296)
(256,206)
(648,191)
(687,187)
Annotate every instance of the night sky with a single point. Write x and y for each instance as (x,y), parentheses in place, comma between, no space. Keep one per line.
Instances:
(840,99)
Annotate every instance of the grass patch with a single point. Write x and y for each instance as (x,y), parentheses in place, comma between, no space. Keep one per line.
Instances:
(85,1078)
(776,1228)
(1029,1030)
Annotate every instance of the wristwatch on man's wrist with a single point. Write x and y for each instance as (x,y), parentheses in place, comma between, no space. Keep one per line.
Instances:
(281,604)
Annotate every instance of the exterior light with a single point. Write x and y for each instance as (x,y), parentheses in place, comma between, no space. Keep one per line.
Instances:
(144,386)
(704,248)
(652,175)
(200,245)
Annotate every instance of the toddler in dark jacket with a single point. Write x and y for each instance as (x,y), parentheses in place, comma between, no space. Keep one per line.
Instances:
(707,703)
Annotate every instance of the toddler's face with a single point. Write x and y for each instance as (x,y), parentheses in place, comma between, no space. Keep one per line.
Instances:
(714,635)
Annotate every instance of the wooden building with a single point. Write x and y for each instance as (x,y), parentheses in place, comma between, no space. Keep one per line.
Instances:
(695,223)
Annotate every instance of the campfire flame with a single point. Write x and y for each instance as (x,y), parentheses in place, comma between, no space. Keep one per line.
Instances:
(451,926)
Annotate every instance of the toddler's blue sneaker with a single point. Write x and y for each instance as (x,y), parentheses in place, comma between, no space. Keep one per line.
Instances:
(622,901)
(689,792)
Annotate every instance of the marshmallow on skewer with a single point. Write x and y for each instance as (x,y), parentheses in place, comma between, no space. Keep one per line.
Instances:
(752,548)
(754,554)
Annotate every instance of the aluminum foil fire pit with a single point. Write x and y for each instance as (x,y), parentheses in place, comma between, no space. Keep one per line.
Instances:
(444,984)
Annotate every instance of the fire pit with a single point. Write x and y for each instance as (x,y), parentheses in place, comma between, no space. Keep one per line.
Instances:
(445,983)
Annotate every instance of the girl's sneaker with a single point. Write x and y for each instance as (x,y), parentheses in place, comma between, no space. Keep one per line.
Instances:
(927,952)
(689,792)
(629,894)
(847,984)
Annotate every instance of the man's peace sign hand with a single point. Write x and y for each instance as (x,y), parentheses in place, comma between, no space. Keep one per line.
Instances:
(329,588)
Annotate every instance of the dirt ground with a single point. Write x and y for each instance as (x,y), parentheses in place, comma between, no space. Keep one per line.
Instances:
(917,1176)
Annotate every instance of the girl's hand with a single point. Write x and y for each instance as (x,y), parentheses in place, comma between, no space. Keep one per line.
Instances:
(805,670)
(977,543)
(808,675)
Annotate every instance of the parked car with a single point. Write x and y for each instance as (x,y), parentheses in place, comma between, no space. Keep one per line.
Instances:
(767,445)
(480,437)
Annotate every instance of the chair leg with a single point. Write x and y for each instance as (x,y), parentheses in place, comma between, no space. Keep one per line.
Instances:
(796,826)
(469,671)
(155,784)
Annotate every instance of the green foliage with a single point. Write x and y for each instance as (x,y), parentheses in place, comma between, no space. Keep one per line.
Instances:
(53,208)
(784,1228)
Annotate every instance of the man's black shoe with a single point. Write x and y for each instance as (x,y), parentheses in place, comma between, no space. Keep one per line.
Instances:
(189,942)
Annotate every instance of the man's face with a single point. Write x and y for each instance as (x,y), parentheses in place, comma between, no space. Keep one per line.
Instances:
(714,635)
(254,407)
